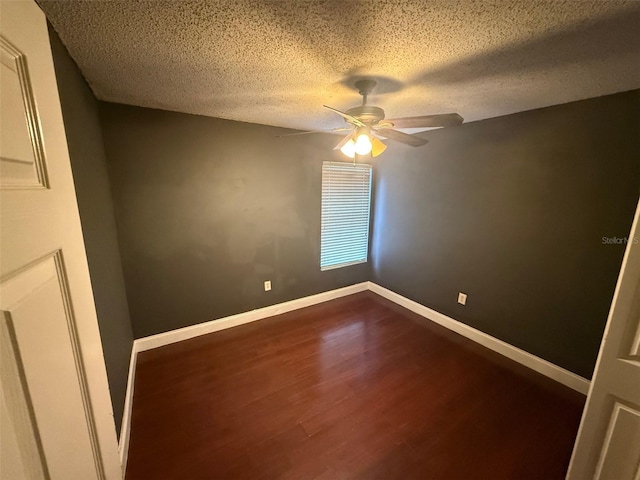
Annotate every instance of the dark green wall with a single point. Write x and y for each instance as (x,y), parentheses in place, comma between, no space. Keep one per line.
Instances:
(84,138)
(208,209)
(512,211)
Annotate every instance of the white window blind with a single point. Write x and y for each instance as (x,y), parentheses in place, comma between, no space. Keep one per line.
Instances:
(346,199)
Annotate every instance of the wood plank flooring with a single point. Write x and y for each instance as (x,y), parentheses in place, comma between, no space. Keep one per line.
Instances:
(355,388)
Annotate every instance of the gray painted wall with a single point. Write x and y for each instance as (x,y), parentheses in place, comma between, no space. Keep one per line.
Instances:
(208,209)
(512,211)
(84,137)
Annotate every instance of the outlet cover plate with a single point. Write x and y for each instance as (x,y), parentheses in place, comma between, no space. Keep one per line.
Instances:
(462,298)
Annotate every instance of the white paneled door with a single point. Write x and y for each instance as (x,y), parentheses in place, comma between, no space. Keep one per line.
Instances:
(56,420)
(608,444)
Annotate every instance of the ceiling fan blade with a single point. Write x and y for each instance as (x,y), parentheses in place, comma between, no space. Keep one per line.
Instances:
(348,117)
(300,133)
(442,120)
(306,132)
(412,140)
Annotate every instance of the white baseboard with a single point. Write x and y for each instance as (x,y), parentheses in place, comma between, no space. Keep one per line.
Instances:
(544,367)
(125,426)
(185,333)
(559,374)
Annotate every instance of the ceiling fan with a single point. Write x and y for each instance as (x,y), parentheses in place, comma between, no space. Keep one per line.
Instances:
(367,122)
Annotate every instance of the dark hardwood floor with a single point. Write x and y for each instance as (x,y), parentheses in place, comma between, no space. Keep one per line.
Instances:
(355,388)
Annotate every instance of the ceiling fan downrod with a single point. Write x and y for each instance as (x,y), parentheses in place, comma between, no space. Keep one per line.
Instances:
(365,87)
(368,115)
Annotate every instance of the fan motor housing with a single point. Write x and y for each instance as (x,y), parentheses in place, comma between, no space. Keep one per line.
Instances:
(367,114)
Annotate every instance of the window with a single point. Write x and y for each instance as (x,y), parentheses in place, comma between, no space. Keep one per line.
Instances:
(346,199)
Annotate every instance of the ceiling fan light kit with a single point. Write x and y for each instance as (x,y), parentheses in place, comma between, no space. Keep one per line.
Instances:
(358,143)
(369,123)
(349,147)
(361,143)
(377,147)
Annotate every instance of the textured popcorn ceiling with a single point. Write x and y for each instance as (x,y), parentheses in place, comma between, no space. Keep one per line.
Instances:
(276,62)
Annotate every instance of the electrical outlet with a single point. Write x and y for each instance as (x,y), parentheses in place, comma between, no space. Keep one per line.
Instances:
(267,285)
(462,298)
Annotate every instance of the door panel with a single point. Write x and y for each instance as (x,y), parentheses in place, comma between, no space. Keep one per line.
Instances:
(57,421)
(621,453)
(608,443)
(36,315)
(21,152)
(12,464)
